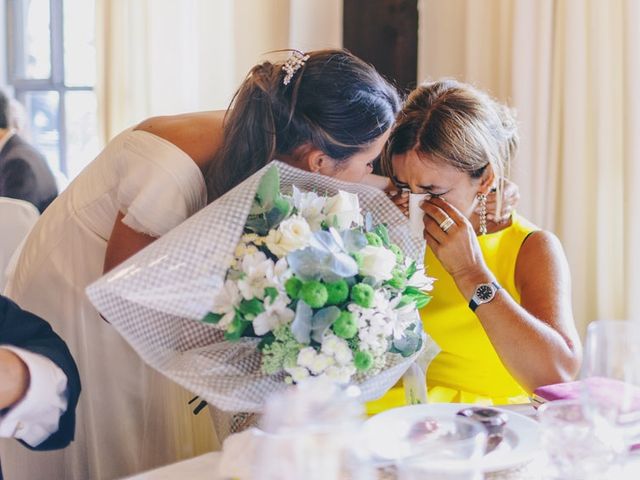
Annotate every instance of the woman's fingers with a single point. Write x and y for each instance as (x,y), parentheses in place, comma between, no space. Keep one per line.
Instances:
(447,210)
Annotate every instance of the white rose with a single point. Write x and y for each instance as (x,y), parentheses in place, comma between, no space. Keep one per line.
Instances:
(309,205)
(377,262)
(343,210)
(292,234)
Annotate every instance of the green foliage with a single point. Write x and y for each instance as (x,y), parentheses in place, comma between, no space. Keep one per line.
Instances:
(398,253)
(373,239)
(398,280)
(418,296)
(383,232)
(249,309)
(271,293)
(269,206)
(236,328)
(212,318)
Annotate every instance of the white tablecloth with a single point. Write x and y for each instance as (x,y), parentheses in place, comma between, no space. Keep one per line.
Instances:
(205,467)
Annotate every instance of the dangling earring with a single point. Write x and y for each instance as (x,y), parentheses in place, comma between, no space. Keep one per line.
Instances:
(482,198)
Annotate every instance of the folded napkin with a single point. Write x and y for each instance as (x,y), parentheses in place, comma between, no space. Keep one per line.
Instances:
(606,391)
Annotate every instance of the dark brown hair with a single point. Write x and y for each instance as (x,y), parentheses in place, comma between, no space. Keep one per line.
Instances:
(335,102)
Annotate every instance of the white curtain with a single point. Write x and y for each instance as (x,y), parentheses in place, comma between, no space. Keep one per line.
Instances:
(170,56)
(569,67)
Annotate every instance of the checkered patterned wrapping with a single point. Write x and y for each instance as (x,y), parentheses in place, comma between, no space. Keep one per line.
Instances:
(157,298)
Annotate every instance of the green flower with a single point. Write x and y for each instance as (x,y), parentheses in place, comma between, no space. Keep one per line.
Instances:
(338,292)
(373,239)
(292,287)
(345,326)
(399,255)
(398,280)
(363,361)
(314,294)
(363,295)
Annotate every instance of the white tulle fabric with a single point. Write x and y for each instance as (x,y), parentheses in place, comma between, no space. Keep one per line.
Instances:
(130,418)
(157,298)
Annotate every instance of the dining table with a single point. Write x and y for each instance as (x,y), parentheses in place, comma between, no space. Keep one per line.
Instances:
(205,467)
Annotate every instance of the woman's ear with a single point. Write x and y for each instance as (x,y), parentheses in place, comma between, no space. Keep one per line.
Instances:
(315,161)
(487,181)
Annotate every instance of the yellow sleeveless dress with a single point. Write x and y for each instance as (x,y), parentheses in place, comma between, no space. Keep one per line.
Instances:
(468,369)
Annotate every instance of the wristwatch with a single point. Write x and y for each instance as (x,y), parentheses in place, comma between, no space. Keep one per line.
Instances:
(484,293)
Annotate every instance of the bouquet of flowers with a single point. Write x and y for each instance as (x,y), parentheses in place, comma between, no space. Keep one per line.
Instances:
(327,291)
(290,274)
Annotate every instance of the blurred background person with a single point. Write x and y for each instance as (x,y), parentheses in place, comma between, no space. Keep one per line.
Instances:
(24,172)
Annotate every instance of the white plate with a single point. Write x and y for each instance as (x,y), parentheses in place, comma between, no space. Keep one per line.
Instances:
(385,434)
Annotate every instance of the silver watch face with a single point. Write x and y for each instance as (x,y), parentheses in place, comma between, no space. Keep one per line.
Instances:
(484,292)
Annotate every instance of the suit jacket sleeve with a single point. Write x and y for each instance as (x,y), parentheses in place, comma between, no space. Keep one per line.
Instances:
(30,332)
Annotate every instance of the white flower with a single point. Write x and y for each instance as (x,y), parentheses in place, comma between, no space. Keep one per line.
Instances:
(377,262)
(292,234)
(281,273)
(344,355)
(421,281)
(306,356)
(258,274)
(320,363)
(340,374)
(297,373)
(309,205)
(343,210)
(276,313)
(225,303)
(338,348)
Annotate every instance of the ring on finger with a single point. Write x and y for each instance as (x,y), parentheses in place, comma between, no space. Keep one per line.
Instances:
(446,224)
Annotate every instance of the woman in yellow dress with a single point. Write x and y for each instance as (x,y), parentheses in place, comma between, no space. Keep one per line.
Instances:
(501,308)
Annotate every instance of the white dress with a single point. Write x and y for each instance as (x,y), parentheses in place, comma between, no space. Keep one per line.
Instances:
(129,418)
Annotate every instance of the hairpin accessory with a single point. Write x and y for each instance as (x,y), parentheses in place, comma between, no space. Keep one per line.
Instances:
(294,63)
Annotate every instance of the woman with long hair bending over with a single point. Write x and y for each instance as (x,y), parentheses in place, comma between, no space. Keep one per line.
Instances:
(326,111)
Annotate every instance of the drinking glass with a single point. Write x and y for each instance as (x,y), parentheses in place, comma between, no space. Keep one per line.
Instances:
(451,449)
(580,442)
(611,374)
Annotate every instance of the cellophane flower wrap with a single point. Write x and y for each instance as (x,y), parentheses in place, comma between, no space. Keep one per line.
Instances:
(288,275)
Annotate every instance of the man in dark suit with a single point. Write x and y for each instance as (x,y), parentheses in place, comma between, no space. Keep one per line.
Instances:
(24,173)
(39,381)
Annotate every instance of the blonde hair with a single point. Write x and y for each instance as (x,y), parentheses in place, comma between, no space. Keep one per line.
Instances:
(458,124)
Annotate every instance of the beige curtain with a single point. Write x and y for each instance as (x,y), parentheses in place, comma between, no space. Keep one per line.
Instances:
(568,67)
(169,56)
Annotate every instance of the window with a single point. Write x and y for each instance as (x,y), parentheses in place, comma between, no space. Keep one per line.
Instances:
(52,65)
